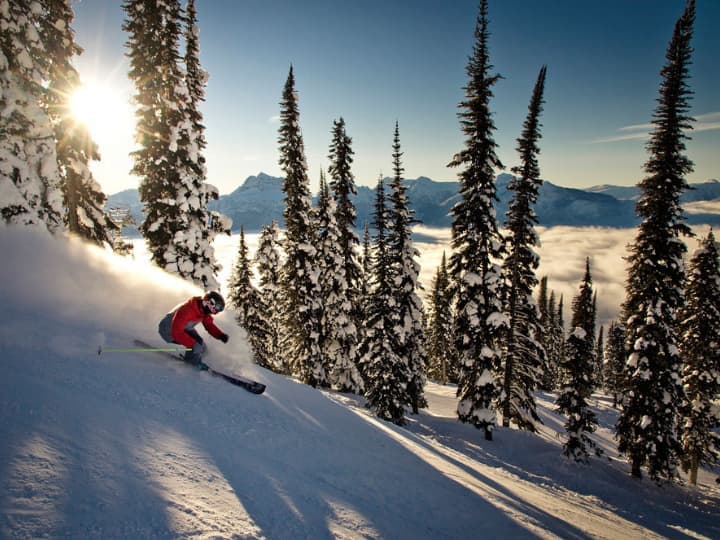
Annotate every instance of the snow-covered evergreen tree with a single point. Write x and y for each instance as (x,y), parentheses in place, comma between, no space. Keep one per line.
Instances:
(524,351)
(204,223)
(560,335)
(83,197)
(647,428)
(246,300)
(267,262)
(366,275)
(614,361)
(178,227)
(299,275)
(409,326)
(699,330)
(544,334)
(551,336)
(338,332)
(365,288)
(442,362)
(555,343)
(477,245)
(386,374)
(30,192)
(577,371)
(342,187)
(598,372)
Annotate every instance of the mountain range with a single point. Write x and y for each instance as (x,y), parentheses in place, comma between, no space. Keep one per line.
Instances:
(260,199)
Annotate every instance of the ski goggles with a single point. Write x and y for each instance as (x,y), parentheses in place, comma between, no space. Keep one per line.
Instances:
(212,306)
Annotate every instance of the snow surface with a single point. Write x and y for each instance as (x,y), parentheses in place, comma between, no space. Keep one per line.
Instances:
(133,445)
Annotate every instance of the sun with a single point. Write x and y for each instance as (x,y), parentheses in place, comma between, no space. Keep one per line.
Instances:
(104,110)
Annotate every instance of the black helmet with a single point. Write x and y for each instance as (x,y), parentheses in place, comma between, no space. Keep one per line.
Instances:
(213,302)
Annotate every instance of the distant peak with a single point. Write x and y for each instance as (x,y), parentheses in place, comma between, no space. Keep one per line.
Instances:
(262,179)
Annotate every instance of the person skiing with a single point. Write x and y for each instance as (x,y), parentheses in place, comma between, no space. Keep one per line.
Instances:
(178,326)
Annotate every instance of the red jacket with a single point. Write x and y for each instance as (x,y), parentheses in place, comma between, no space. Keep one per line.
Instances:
(186,317)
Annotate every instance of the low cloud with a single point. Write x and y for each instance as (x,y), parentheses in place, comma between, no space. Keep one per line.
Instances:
(707,122)
(562,259)
(702,207)
(703,122)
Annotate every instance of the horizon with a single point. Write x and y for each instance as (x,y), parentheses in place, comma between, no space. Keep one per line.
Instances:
(422,176)
(381,62)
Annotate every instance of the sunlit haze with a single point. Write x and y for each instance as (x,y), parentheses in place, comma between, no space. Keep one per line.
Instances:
(376,62)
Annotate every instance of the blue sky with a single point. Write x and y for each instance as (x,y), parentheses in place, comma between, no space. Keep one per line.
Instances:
(377,61)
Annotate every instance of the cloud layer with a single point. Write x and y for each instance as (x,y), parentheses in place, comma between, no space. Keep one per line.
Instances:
(562,259)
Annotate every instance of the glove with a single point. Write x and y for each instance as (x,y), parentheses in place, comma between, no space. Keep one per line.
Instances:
(224,338)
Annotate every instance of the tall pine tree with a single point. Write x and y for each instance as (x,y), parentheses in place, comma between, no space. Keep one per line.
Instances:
(598,372)
(366,276)
(409,312)
(554,344)
(439,333)
(267,262)
(338,332)
(349,309)
(700,346)
(386,374)
(178,227)
(543,319)
(577,370)
(547,319)
(477,245)
(647,426)
(245,298)
(560,334)
(614,361)
(299,276)
(524,351)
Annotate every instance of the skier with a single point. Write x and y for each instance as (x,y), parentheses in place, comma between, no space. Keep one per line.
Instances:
(178,326)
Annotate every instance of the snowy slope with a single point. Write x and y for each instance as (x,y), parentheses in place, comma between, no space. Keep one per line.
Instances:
(136,446)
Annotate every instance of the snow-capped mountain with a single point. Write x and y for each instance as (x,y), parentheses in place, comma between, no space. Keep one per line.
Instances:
(255,203)
(704,191)
(260,199)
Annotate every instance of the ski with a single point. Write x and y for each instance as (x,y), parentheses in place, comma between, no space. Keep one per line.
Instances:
(251,386)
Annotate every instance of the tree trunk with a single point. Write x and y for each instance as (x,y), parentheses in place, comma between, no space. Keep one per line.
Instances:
(693,470)
(635,471)
(507,385)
